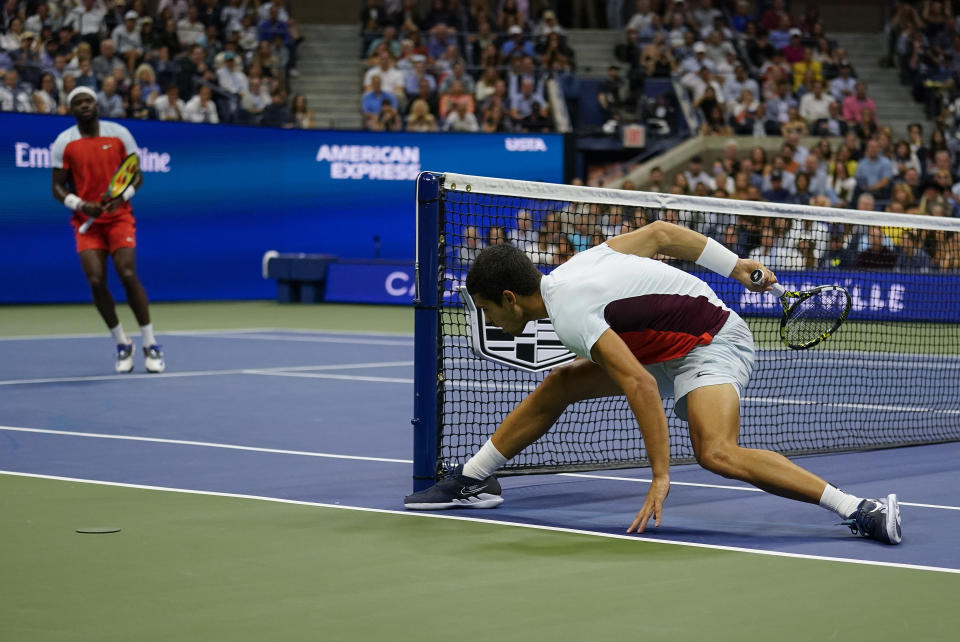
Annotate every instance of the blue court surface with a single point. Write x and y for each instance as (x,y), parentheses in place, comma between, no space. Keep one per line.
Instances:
(325,417)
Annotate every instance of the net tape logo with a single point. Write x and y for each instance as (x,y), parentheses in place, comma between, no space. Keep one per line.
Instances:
(538,348)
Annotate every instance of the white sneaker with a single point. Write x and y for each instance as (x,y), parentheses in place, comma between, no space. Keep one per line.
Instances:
(124,362)
(153,358)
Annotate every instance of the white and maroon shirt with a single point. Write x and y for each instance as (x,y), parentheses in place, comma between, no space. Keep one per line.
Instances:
(659,311)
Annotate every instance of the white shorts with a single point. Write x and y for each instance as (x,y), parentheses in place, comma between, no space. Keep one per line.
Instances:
(727,359)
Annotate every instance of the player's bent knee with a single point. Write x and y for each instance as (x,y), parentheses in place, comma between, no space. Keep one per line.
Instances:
(96,281)
(718,459)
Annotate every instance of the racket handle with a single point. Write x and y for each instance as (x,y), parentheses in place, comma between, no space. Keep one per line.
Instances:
(86,225)
(757,277)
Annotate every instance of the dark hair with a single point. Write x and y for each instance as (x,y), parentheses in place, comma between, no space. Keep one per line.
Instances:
(502,267)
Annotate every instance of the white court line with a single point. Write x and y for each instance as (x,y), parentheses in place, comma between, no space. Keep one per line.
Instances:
(639,539)
(321,339)
(204,444)
(189,333)
(749,489)
(856,406)
(208,373)
(312,375)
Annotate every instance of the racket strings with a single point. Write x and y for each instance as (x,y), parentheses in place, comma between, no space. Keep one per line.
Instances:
(813,317)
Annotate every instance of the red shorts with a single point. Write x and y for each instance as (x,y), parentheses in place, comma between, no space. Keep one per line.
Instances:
(109,235)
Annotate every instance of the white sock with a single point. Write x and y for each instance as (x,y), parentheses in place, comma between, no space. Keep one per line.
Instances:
(486,462)
(146,332)
(119,336)
(841,503)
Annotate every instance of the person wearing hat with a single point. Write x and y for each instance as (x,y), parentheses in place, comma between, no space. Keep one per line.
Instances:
(777,192)
(694,63)
(26,59)
(230,76)
(517,45)
(84,158)
(548,24)
(794,49)
(126,37)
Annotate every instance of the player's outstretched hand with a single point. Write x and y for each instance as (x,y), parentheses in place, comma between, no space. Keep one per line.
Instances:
(742,273)
(90,209)
(653,505)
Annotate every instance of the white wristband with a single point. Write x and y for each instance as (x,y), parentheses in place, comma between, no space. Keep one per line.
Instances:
(128,193)
(717,258)
(73,202)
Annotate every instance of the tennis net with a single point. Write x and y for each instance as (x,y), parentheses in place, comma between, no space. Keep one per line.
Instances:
(889,377)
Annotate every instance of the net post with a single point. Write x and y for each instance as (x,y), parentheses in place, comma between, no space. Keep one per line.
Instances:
(426,330)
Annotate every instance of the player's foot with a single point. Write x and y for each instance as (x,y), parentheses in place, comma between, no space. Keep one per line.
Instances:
(457,491)
(124,358)
(877,519)
(153,358)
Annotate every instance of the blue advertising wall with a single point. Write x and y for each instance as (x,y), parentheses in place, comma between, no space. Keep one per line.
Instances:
(216,197)
(875,296)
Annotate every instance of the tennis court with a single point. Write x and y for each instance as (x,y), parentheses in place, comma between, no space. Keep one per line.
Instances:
(258,485)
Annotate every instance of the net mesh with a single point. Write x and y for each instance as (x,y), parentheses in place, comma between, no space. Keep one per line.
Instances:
(888,377)
(814,316)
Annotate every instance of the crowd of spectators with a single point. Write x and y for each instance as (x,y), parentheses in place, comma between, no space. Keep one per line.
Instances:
(925,47)
(783,244)
(191,60)
(471,66)
(912,176)
(752,70)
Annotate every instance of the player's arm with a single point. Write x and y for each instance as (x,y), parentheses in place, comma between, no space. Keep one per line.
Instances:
(640,389)
(679,242)
(62,193)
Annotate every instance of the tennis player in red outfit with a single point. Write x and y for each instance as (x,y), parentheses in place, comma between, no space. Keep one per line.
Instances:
(85,158)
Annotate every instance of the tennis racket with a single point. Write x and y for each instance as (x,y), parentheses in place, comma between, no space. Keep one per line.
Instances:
(121,180)
(809,317)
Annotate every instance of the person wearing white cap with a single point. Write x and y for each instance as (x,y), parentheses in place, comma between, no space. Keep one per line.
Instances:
(517,45)
(84,158)
(127,39)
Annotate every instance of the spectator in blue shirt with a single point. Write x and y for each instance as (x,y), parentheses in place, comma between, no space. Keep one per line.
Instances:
(777,193)
(273,26)
(109,103)
(874,172)
(373,99)
(516,45)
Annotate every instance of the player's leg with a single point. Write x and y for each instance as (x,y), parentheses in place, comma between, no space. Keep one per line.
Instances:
(125,263)
(122,238)
(473,485)
(714,416)
(535,415)
(713,413)
(94,264)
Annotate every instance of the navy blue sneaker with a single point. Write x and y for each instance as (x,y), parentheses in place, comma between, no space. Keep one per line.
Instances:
(457,491)
(877,520)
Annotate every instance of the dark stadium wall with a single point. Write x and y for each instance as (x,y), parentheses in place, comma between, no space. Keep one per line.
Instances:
(326,12)
(217,197)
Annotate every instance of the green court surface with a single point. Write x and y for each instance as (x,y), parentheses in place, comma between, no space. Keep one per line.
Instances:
(212,568)
(21,320)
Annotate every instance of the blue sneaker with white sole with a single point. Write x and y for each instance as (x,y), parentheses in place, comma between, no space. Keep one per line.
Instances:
(457,491)
(877,519)
(124,362)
